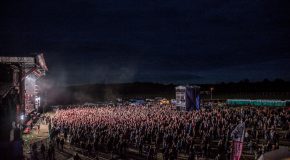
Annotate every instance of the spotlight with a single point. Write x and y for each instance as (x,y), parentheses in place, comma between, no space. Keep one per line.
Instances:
(22,117)
(37,99)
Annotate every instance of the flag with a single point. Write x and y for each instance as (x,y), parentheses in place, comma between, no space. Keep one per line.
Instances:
(238,139)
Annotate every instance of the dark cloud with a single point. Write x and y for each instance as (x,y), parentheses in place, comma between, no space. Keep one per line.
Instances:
(173,41)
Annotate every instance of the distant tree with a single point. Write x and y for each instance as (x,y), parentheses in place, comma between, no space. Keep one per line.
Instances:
(278,80)
(244,81)
(266,80)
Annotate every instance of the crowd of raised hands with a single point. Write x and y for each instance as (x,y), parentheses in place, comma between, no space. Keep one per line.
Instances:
(155,128)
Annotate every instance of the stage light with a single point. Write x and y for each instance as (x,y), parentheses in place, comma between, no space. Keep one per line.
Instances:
(30,78)
(22,117)
(37,99)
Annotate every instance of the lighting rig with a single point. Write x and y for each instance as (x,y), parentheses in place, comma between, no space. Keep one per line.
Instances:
(25,71)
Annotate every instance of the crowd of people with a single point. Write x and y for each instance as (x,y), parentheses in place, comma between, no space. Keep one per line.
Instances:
(154,129)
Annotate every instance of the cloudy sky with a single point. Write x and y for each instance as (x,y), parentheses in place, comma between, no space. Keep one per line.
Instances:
(172,41)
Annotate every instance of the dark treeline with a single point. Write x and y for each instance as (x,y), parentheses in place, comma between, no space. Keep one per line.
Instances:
(276,89)
(105,92)
(266,89)
(277,85)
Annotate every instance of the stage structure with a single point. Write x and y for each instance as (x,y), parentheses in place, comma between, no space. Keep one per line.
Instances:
(18,96)
(23,73)
(188,98)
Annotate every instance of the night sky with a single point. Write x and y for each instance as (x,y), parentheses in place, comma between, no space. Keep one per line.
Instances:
(169,41)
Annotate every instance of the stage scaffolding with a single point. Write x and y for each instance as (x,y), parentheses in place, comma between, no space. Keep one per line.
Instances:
(18,87)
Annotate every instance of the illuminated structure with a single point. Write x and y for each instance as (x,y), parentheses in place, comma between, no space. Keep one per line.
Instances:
(25,72)
(18,92)
(188,98)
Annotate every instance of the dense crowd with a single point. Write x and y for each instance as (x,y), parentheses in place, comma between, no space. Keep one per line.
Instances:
(151,129)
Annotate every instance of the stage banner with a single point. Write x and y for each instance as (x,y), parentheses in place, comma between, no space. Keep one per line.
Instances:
(238,140)
(197,99)
(190,100)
